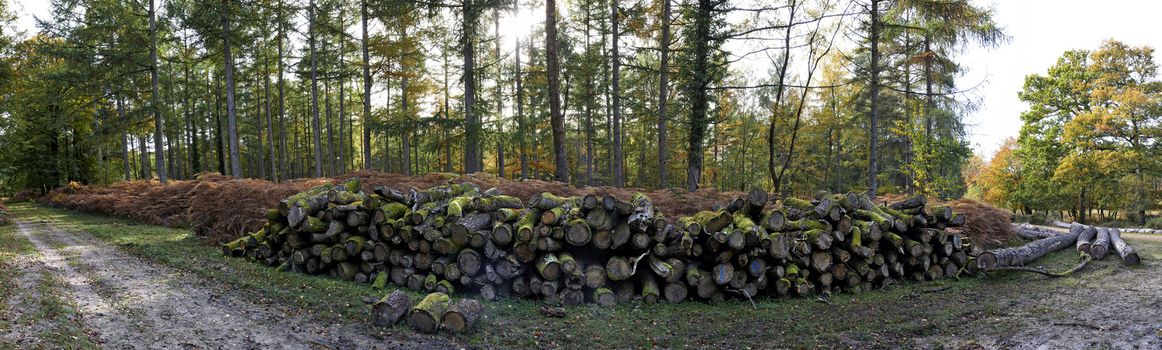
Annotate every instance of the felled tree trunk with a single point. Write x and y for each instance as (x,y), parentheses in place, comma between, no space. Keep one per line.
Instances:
(1024,254)
(391,308)
(425,316)
(462,315)
(1124,250)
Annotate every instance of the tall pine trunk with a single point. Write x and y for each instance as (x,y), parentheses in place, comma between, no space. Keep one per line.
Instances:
(874,92)
(663,89)
(615,77)
(231,119)
(366,90)
(315,93)
(282,148)
(520,118)
(554,72)
(124,139)
(159,121)
(269,121)
(471,125)
(699,99)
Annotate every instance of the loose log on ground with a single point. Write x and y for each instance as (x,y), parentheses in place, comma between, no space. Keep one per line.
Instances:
(1024,254)
(426,316)
(391,308)
(462,314)
(1124,250)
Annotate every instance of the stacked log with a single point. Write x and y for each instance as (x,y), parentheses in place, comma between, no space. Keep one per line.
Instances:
(599,248)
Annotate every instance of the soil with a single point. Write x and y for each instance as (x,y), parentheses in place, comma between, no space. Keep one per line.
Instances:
(128,303)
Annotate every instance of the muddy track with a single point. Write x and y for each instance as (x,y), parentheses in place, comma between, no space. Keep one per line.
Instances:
(129,303)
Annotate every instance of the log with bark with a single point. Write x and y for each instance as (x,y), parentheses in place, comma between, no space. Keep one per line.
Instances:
(425,317)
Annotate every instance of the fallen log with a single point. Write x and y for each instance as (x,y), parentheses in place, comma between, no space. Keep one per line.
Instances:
(1124,250)
(391,308)
(462,315)
(1018,256)
(426,316)
(1030,232)
(1100,244)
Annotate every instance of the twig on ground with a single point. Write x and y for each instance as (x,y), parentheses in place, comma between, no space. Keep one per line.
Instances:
(747,295)
(935,290)
(1083,325)
(1085,258)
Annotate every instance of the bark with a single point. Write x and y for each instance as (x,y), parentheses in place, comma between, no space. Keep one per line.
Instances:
(471,125)
(779,98)
(462,315)
(366,90)
(1024,254)
(124,140)
(282,157)
(520,117)
(269,122)
(697,89)
(231,118)
(874,92)
(318,142)
(615,97)
(553,70)
(663,89)
(425,316)
(1125,250)
(389,310)
(155,105)
(1100,244)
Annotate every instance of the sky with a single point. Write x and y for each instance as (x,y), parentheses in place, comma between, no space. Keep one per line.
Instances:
(1040,31)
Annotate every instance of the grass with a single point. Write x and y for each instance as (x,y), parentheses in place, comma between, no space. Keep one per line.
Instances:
(892,317)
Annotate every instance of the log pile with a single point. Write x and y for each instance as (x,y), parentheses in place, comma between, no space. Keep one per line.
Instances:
(598,248)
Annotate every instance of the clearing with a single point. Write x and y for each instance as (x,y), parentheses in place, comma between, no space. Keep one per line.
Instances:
(70,280)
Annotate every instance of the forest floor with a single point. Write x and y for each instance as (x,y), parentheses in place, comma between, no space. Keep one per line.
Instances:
(70,280)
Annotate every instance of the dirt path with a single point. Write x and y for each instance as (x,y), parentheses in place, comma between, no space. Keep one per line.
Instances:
(128,303)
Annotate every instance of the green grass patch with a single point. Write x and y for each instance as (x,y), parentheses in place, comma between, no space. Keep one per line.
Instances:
(889,317)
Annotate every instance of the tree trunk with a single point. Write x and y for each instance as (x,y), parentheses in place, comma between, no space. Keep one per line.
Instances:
(471,127)
(1124,250)
(874,91)
(219,140)
(462,315)
(1024,254)
(696,90)
(779,101)
(520,118)
(406,147)
(269,122)
(425,316)
(366,90)
(663,88)
(159,121)
(231,119)
(282,145)
(314,92)
(124,140)
(554,71)
(389,310)
(615,95)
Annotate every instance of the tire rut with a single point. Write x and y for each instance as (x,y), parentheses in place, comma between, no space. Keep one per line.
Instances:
(131,303)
